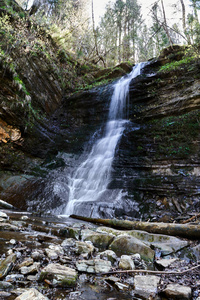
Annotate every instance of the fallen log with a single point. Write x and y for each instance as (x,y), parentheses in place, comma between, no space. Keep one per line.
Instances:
(181,230)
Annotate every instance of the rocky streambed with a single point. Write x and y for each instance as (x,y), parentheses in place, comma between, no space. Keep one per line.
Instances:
(52,257)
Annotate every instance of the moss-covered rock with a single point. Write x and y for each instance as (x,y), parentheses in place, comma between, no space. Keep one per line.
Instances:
(128,245)
(59,275)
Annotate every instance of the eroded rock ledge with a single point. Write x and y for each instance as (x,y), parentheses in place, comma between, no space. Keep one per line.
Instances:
(157,160)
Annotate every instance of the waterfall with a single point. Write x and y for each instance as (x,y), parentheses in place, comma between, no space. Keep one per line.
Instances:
(90,180)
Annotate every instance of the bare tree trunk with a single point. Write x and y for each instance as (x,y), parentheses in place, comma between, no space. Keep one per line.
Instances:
(95,36)
(195,10)
(184,22)
(165,25)
(120,43)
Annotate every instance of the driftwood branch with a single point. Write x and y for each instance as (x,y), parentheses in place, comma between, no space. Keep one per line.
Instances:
(182,230)
(151,272)
(191,219)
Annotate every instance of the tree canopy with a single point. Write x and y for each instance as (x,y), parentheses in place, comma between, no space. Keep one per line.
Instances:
(121,35)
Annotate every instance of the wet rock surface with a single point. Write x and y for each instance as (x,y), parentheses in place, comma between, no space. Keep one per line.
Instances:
(77,269)
(157,160)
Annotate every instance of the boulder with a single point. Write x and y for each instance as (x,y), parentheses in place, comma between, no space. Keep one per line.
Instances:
(59,275)
(126,263)
(176,291)
(125,244)
(167,244)
(99,240)
(146,286)
(32,294)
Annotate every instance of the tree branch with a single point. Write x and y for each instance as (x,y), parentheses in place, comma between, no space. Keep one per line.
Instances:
(151,272)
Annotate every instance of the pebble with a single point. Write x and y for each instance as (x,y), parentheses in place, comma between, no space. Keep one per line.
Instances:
(3,215)
(4,295)
(12,242)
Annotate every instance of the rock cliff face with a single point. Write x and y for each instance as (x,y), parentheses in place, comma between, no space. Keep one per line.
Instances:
(157,161)
(161,160)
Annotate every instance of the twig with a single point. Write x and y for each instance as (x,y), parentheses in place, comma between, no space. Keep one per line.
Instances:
(191,219)
(151,272)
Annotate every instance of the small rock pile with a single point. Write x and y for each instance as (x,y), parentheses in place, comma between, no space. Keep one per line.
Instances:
(59,262)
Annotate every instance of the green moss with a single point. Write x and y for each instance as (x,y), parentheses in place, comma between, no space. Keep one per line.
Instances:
(174,136)
(174,65)
(68,282)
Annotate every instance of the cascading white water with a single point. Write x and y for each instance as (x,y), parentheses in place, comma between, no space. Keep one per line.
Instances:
(91,178)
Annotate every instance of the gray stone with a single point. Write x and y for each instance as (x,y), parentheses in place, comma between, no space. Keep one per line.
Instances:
(146,286)
(32,294)
(4,295)
(67,243)
(12,242)
(126,244)
(46,238)
(32,277)
(93,266)
(136,256)
(102,266)
(84,247)
(121,286)
(6,265)
(109,255)
(176,291)
(196,251)
(9,227)
(126,263)
(33,269)
(59,275)
(112,279)
(19,291)
(167,244)
(27,262)
(37,255)
(5,204)
(85,266)
(3,215)
(24,218)
(9,252)
(99,240)
(164,263)
(14,277)
(74,233)
(5,285)
(54,251)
